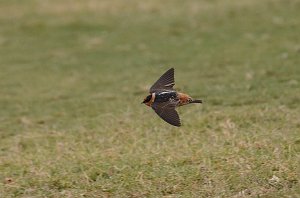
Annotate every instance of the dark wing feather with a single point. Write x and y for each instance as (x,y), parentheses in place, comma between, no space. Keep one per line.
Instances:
(167,112)
(165,82)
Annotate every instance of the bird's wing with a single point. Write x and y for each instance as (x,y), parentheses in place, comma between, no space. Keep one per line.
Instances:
(167,112)
(165,82)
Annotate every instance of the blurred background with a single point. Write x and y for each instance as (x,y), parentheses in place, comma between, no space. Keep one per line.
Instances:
(73,75)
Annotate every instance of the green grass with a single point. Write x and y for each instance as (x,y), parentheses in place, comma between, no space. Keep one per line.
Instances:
(73,74)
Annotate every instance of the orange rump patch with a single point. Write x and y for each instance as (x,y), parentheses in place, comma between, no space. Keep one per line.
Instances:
(183,99)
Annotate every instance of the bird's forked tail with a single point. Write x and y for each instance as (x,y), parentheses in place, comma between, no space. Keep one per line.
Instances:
(196,101)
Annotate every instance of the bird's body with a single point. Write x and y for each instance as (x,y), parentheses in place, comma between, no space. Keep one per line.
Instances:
(164,99)
(179,98)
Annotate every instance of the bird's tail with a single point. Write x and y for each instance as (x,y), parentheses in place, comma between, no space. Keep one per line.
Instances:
(196,101)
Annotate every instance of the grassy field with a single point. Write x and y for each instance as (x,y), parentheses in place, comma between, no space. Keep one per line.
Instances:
(73,75)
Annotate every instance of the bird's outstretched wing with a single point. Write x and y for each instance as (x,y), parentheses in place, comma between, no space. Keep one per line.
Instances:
(165,82)
(167,112)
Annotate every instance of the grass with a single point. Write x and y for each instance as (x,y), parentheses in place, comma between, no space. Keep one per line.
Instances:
(73,74)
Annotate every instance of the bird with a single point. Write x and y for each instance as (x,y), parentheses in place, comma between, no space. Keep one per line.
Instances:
(163,99)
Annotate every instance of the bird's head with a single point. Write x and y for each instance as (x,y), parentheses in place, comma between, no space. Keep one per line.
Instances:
(147,100)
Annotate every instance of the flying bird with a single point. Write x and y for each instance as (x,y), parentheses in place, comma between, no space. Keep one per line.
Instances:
(164,99)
